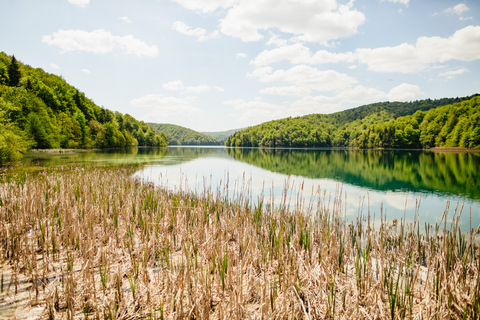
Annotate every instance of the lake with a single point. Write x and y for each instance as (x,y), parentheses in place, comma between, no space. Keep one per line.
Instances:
(394,184)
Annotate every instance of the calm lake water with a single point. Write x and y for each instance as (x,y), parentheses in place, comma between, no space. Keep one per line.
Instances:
(396,184)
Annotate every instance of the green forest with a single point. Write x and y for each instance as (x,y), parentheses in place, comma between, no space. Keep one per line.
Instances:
(41,110)
(177,135)
(427,123)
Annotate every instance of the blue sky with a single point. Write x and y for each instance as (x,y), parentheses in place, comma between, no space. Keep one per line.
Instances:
(214,65)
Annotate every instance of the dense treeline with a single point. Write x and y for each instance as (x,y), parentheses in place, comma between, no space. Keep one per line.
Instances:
(456,125)
(386,125)
(41,110)
(177,135)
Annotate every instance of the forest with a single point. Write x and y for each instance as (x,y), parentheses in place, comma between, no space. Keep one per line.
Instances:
(448,122)
(41,110)
(177,135)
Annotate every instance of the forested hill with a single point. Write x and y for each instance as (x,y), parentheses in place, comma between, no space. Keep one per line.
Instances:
(177,135)
(427,123)
(41,110)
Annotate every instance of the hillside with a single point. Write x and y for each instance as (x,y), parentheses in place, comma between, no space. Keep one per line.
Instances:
(41,110)
(384,125)
(222,136)
(177,135)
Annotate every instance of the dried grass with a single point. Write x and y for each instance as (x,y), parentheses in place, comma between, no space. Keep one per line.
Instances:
(98,244)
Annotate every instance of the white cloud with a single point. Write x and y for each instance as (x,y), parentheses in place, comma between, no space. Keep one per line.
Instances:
(256,111)
(165,109)
(311,21)
(86,71)
(198,33)
(296,53)
(452,73)
(276,41)
(299,53)
(305,77)
(361,95)
(173,85)
(80,3)
(313,104)
(458,9)
(98,42)
(286,91)
(402,58)
(177,85)
(54,66)
(241,55)
(205,6)
(463,45)
(197,89)
(404,92)
(405,2)
(125,19)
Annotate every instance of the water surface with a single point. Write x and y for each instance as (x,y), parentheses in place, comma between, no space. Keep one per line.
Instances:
(394,184)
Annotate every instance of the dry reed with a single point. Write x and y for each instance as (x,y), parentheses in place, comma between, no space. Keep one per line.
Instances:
(95,243)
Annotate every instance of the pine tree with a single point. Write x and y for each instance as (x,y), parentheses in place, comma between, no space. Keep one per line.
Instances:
(14,73)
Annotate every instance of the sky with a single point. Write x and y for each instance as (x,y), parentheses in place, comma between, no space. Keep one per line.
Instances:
(214,65)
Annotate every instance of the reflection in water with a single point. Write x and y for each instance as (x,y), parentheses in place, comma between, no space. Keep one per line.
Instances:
(415,171)
(370,179)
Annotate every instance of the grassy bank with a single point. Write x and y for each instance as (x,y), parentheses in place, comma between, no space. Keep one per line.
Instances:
(96,243)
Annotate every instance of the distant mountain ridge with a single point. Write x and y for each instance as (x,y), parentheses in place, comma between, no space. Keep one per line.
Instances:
(178,135)
(222,136)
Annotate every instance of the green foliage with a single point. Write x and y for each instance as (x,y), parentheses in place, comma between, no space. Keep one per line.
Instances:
(4,79)
(40,128)
(420,124)
(455,125)
(177,135)
(12,141)
(42,110)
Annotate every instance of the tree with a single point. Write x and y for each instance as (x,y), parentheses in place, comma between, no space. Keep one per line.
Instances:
(4,75)
(110,134)
(83,125)
(14,73)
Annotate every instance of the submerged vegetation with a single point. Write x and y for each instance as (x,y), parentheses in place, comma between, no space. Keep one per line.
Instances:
(41,110)
(96,243)
(420,124)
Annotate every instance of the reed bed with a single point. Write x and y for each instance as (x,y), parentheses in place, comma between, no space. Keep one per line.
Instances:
(94,243)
